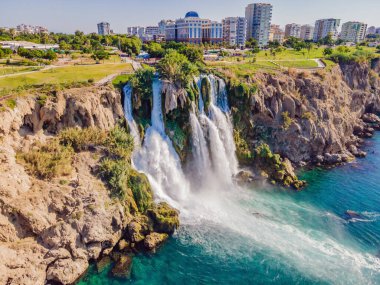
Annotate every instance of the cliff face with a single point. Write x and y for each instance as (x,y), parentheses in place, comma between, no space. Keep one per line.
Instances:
(50,229)
(310,117)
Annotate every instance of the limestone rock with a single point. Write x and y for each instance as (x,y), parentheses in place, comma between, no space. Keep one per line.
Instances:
(154,240)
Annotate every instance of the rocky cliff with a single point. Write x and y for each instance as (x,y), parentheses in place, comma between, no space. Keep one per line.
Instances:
(317,117)
(52,226)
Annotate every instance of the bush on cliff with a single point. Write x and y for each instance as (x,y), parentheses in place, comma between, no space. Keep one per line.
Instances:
(46,161)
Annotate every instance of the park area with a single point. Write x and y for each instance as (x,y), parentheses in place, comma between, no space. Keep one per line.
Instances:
(61,74)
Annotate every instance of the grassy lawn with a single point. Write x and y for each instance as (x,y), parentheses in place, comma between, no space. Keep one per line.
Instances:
(67,74)
(5,70)
(298,64)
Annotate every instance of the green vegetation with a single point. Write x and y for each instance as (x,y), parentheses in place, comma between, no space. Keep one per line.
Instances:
(286,120)
(117,141)
(298,64)
(78,41)
(176,68)
(37,54)
(67,75)
(48,160)
(165,218)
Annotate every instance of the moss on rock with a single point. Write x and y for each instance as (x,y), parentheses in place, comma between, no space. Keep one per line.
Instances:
(165,218)
(141,190)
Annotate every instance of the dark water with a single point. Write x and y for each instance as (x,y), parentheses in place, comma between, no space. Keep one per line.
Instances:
(272,236)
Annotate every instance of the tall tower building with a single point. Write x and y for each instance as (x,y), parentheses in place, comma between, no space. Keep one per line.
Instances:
(259,16)
(293,30)
(353,32)
(307,32)
(104,28)
(234,31)
(326,27)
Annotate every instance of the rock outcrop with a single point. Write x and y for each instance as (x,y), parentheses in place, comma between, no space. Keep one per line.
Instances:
(51,229)
(310,117)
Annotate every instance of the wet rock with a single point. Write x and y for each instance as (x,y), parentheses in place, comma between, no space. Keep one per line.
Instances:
(244,177)
(123,266)
(165,218)
(123,244)
(102,263)
(154,240)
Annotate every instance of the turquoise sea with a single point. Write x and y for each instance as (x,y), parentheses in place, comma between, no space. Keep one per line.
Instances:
(272,236)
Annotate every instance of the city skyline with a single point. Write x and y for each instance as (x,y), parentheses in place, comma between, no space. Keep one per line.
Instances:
(53,14)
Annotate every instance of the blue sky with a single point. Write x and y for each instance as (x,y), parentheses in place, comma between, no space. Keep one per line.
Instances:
(71,15)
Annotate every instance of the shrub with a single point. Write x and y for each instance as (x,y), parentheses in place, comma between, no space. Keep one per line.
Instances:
(48,160)
(287,121)
(82,139)
(119,142)
(115,173)
(10,103)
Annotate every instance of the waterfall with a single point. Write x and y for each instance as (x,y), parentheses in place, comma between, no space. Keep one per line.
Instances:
(158,159)
(202,163)
(219,126)
(128,115)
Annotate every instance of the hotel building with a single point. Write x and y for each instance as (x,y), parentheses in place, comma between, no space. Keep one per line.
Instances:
(354,32)
(104,28)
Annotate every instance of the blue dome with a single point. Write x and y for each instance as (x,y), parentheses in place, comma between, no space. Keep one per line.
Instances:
(192,14)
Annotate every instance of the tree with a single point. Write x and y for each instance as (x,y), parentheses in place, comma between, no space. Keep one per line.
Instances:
(309,46)
(327,51)
(176,68)
(154,49)
(251,44)
(100,55)
(193,53)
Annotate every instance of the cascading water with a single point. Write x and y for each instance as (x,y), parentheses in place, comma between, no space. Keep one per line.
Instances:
(158,158)
(129,116)
(234,223)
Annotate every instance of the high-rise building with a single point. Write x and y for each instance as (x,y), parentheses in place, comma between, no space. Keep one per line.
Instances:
(371,30)
(136,31)
(326,27)
(293,30)
(377,31)
(259,16)
(276,34)
(152,30)
(353,32)
(162,26)
(104,28)
(307,32)
(235,31)
(193,29)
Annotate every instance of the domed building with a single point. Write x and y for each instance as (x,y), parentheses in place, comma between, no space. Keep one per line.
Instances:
(195,30)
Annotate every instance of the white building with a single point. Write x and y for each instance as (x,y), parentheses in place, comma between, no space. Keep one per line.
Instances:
(293,30)
(259,16)
(162,26)
(371,30)
(276,34)
(235,31)
(152,30)
(354,32)
(307,32)
(29,29)
(104,28)
(195,30)
(136,31)
(326,27)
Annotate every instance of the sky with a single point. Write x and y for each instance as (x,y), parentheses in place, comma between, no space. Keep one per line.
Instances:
(71,15)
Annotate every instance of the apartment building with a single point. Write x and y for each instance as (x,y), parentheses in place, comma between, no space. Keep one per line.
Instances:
(104,28)
(235,31)
(259,17)
(276,34)
(325,27)
(307,32)
(293,30)
(354,32)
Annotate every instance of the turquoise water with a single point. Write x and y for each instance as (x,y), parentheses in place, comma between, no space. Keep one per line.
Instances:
(271,236)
